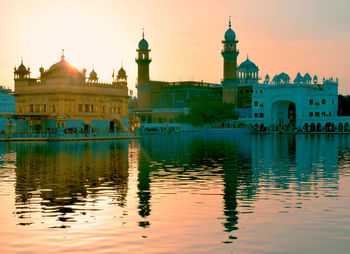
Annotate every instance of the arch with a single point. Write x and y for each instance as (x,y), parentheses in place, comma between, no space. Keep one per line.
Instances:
(346,127)
(284,112)
(312,127)
(262,127)
(114,125)
(340,127)
(241,125)
(319,127)
(306,127)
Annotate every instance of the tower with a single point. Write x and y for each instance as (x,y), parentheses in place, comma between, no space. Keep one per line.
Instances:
(230,80)
(230,54)
(143,61)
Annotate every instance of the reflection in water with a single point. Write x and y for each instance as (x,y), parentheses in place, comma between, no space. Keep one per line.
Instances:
(63,177)
(61,184)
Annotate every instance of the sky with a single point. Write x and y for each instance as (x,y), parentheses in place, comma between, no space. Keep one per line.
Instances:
(184,36)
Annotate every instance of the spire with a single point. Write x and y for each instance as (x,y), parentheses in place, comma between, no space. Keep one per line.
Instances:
(248,56)
(21,59)
(229,22)
(62,55)
(113,74)
(143,33)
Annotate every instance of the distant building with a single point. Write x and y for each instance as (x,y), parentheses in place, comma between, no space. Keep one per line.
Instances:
(161,101)
(278,104)
(274,104)
(304,104)
(7,107)
(7,101)
(63,98)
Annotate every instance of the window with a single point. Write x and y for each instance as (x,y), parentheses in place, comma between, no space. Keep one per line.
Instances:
(323,113)
(80,108)
(260,91)
(255,103)
(44,109)
(261,114)
(330,113)
(311,102)
(261,105)
(323,101)
(92,108)
(53,108)
(311,114)
(317,113)
(333,101)
(87,107)
(31,108)
(256,115)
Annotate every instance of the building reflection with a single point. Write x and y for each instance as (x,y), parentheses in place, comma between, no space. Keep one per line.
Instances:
(227,159)
(301,162)
(64,177)
(60,178)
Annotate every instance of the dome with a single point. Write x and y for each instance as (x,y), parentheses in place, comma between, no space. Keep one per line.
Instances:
(143,44)
(315,79)
(307,76)
(93,75)
(267,76)
(22,69)
(230,35)
(284,77)
(121,73)
(62,69)
(248,66)
(298,78)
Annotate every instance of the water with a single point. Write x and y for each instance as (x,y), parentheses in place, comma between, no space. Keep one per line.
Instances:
(177,194)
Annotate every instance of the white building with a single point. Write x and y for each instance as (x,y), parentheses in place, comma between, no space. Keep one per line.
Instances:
(281,103)
(304,104)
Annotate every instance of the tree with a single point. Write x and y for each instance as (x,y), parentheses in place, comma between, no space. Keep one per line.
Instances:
(343,105)
(207,112)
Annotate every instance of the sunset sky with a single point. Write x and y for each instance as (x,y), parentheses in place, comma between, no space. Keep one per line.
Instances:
(184,36)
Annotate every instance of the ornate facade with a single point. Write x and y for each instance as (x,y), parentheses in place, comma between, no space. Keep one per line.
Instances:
(63,98)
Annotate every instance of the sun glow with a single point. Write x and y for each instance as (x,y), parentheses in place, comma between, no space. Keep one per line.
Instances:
(185,37)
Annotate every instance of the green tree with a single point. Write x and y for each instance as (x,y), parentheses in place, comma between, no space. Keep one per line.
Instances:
(206,112)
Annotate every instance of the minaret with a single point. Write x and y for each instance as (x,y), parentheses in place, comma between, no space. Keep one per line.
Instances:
(230,80)
(230,54)
(143,61)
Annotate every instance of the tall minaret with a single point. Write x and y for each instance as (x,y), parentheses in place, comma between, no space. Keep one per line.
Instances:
(230,80)
(230,54)
(143,61)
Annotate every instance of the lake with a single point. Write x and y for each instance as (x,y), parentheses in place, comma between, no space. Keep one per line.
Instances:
(186,193)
